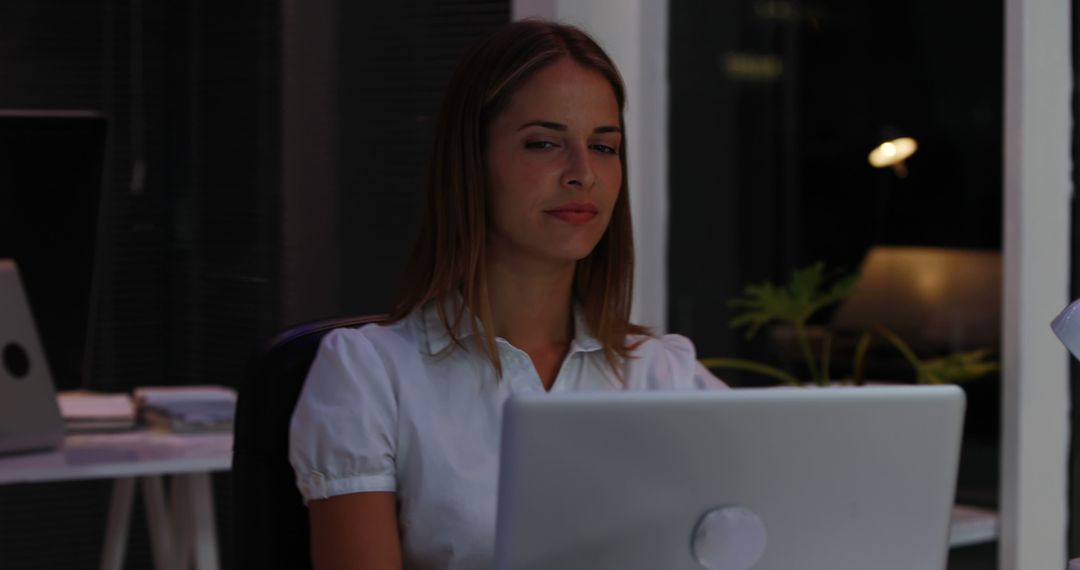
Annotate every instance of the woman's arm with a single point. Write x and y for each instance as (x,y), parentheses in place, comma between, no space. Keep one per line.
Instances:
(357,531)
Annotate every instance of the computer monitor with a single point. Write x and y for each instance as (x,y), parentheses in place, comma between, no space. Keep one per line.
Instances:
(51,172)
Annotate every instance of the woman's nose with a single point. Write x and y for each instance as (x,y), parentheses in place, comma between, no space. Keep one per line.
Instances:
(579,171)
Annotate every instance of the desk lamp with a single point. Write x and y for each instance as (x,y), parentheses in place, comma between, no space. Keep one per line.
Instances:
(1067,327)
(935,298)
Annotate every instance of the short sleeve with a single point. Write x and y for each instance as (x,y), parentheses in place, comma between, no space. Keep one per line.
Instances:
(670,362)
(343,431)
(704,379)
(683,362)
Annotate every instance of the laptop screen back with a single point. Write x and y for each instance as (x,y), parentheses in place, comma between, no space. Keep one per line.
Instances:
(51,165)
(814,478)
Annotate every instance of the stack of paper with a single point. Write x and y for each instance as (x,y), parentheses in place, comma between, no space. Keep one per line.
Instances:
(185,409)
(96,411)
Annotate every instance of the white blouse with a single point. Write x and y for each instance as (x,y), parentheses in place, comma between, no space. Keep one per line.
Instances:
(384,408)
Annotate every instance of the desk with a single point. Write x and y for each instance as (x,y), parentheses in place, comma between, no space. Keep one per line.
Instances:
(182,529)
(972,525)
(185,526)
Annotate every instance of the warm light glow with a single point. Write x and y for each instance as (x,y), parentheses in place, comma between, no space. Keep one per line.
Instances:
(752,67)
(893,152)
(932,297)
(930,282)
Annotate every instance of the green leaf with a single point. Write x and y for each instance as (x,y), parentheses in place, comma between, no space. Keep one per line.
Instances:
(804,295)
(908,354)
(753,320)
(859,366)
(826,350)
(840,290)
(960,367)
(750,366)
(806,282)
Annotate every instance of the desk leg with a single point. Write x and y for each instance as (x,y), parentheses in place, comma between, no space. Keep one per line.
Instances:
(180,509)
(157,518)
(201,518)
(116,527)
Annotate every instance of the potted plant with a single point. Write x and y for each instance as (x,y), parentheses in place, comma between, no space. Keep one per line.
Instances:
(807,293)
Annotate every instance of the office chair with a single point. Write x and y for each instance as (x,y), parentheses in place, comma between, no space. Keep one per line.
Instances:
(270,520)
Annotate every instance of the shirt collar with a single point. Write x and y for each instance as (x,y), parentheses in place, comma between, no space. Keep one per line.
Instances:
(583,341)
(437,339)
(436,336)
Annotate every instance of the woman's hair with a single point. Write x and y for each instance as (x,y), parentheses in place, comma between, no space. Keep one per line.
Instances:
(449,256)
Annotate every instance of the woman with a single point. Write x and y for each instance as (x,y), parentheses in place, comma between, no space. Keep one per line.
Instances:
(521,281)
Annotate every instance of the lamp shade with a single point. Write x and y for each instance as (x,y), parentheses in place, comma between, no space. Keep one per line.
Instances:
(892,152)
(935,298)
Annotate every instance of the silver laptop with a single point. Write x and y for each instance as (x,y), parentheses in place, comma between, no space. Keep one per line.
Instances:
(29,415)
(769,479)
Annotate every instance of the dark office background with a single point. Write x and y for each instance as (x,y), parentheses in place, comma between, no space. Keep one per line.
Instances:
(198,245)
(774,109)
(769,166)
(266,170)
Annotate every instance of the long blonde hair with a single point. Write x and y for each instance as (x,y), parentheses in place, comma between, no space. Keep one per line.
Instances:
(449,256)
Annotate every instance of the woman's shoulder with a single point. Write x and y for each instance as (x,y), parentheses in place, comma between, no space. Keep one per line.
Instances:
(666,361)
(356,360)
(387,338)
(671,342)
(667,348)
(364,353)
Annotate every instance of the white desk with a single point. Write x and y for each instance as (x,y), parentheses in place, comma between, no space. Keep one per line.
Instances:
(182,530)
(972,525)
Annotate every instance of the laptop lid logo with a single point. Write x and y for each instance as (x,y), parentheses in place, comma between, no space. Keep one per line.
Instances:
(729,538)
(16,361)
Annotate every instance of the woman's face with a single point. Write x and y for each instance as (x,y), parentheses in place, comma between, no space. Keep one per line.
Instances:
(553,166)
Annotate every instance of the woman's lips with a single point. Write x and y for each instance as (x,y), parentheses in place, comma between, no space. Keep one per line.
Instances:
(574,213)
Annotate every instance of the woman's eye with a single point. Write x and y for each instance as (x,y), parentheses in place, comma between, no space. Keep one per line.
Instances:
(605,149)
(540,145)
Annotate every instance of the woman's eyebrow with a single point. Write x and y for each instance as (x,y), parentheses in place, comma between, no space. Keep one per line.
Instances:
(545,124)
(561,127)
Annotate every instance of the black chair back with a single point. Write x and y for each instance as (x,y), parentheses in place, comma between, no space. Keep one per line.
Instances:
(270,520)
